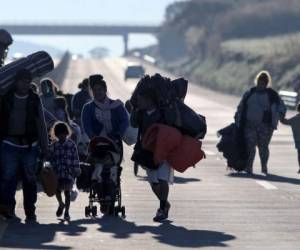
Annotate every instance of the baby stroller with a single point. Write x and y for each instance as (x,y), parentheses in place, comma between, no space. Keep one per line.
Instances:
(101,177)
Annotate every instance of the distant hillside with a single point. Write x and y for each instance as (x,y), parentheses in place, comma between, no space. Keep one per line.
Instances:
(224,43)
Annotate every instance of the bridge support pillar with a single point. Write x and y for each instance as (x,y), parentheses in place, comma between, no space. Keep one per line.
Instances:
(125,39)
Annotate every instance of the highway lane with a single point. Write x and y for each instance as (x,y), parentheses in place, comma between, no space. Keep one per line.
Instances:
(210,207)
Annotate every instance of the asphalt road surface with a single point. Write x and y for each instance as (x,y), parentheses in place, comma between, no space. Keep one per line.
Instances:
(211,207)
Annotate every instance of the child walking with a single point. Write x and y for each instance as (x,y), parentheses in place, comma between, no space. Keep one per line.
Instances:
(65,161)
(294,122)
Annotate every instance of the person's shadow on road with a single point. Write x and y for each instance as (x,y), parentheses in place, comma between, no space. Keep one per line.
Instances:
(37,236)
(40,236)
(268,177)
(177,179)
(165,233)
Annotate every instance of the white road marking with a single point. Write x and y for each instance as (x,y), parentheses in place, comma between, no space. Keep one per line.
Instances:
(267,185)
(210,153)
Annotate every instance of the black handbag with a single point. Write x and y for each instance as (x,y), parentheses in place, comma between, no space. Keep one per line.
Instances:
(144,158)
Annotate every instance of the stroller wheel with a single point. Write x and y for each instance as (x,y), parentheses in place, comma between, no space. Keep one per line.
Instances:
(123,212)
(87,211)
(94,211)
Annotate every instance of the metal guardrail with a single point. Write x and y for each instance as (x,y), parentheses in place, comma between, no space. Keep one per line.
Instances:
(290,98)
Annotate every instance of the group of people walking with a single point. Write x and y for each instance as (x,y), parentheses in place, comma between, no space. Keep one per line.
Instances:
(29,118)
(38,127)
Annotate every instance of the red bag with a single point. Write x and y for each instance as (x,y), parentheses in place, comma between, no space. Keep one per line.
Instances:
(187,154)
(161,140)
(168,144)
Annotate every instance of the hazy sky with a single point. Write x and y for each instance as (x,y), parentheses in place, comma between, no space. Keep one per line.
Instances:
(85,11)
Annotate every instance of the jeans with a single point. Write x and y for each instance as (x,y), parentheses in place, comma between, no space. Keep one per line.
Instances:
(14,162)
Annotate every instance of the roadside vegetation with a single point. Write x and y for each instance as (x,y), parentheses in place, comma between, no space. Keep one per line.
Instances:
(222,44)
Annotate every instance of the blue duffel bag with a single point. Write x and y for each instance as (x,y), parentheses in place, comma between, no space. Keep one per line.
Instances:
(39,64)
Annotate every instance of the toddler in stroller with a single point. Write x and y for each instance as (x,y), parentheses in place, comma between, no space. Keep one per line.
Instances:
(104,158)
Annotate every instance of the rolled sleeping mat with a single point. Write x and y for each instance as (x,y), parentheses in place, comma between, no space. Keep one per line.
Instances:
(39,64)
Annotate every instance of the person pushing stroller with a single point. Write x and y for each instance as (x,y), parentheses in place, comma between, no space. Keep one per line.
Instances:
(109,119)
(104,158)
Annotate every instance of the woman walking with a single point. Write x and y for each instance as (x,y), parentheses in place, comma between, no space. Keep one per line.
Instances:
(258,114)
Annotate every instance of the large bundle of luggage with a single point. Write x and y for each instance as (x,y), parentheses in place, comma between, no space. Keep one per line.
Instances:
(175,117)
(170,97)
(232,146)
(166,90)
(39,64)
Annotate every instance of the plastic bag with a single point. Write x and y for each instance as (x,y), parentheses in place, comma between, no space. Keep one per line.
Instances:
(130,135)
(74,193)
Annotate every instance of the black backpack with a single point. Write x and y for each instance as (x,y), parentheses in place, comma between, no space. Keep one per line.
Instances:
(181,116)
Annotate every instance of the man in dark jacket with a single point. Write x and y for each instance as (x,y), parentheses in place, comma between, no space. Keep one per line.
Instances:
(23,134)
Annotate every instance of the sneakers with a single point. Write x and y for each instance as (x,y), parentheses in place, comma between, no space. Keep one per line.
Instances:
(162,214)
(264,170)
(67,216)
(60,210)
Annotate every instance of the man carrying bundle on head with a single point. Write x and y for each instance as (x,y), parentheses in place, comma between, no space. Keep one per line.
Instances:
(159,137)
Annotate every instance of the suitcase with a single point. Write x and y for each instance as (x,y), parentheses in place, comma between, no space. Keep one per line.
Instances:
(38,64)
(49,181)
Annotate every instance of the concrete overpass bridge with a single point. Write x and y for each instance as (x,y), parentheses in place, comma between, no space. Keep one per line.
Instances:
(111,30)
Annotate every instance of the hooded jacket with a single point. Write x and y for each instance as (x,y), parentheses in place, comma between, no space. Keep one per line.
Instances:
(93,127)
